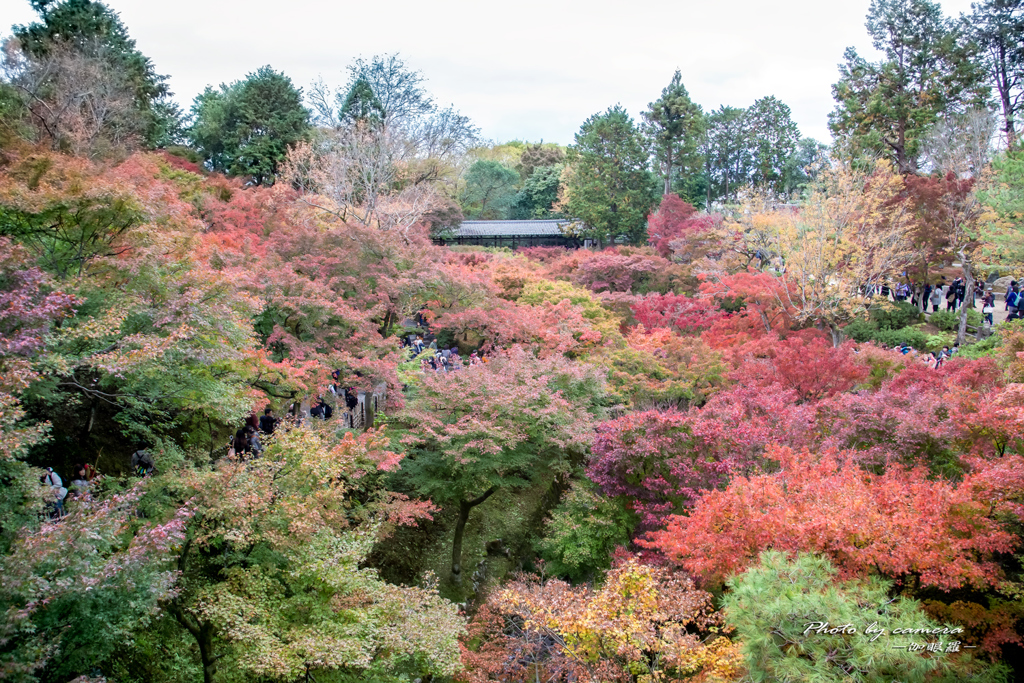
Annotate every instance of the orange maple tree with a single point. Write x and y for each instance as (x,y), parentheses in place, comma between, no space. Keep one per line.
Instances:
(900,523)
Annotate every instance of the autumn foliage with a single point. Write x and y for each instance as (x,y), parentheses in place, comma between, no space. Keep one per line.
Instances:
(644,621)
(678,312)
(649,418)
(899,523)
(677,230)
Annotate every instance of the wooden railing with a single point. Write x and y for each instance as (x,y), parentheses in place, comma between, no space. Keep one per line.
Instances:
(363,415)
(974,330)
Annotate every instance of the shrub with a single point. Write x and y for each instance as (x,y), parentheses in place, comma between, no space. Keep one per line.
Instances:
(779,605)
(934,342)
(861,330)
(891,338)
(445,339)
(583,531)
(883,365)
(986,347)
(186,153)
(868,330)
(944,320)
(894,316)
(949,321)
(732,304)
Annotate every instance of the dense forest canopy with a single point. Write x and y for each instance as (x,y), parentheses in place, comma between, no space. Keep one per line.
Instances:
(258,424)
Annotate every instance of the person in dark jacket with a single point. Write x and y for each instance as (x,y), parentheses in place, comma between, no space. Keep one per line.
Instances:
(253,436)
(322,410)
(142,462)
(268,422)
(351,398)
(240,443)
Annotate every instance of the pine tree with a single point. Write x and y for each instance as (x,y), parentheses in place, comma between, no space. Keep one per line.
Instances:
(727,158)
(362,105)
(998,28)
(774,138)
(928,69)
(675,125)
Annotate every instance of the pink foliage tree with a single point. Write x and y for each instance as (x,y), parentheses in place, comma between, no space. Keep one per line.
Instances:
(757,297)
(811,367)
(676,224)
(662,462)
(28,304)
(614,272)
(77,588)
(677,311)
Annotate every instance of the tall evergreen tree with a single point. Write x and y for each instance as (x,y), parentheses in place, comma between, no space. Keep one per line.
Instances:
(927,70)
(998,28)
(246,128)
(802,167)
(727,158)
(490,190)
(610,187)
(361,104)
(773,139)
(538,194)
(675,125)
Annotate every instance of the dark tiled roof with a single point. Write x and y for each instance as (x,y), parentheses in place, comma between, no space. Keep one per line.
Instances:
(510,228)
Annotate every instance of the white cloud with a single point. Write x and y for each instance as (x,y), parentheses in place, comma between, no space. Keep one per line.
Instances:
(531,69)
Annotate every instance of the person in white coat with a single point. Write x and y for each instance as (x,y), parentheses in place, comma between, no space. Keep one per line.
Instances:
(56,504)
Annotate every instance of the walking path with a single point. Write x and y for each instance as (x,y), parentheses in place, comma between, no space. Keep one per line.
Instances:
(998,315)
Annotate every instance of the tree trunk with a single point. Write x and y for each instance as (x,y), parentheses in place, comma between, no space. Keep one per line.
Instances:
(203,634)
(707,205)
(213,443)
(1003,86)
(836,333)
(386,324)
(902,161)
(668,170)
(460,527)
(961,332)
(206,653)
(1008,127)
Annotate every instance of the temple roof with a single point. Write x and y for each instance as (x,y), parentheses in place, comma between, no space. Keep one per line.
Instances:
(548,228)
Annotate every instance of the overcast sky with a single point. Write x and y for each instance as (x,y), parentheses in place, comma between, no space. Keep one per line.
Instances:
(532,69)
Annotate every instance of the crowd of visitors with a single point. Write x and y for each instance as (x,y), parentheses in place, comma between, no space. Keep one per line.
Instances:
(246,441)
(449,360)
(440,360)
(932,298)
(933,359)
(950,296)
